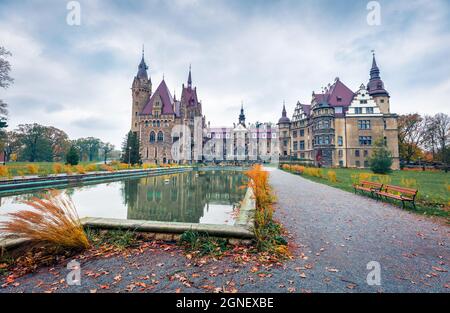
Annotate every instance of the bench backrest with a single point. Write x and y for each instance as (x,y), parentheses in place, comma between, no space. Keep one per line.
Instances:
(370,184)
(403,190)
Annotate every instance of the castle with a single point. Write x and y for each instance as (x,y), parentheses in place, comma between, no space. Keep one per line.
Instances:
(339,127)
(154,115)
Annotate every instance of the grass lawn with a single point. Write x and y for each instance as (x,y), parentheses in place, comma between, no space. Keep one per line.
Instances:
(433,197)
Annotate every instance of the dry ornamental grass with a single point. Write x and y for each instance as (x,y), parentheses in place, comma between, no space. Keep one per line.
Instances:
(51,219)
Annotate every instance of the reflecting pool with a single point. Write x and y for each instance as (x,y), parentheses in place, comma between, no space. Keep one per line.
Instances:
(207,197)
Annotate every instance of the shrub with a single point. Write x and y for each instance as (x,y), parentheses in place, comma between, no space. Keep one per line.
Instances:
(383,179)
(4,172)
(72,156)
(409,182)
(313,171)
(68,170)
(52,219)
(33,169)
(80,169)
(123,166)
(149,165)
(91,167)
(58,168)
(381,159)
(106,167)
(332,176)
(365,176)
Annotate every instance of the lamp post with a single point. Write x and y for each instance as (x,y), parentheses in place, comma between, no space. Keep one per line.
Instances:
(129,156)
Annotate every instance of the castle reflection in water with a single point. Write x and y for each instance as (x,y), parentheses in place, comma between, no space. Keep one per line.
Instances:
(184,197)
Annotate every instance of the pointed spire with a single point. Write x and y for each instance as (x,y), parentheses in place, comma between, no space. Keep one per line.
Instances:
(242,115)
(284,113)
(190,77)
(374,71)
(376,85)
(142,68)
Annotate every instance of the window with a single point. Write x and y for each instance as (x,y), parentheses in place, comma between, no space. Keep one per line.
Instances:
(146,123)
(295,145)
(382,101)
(340,153)
(366,153)
(358,164)
(340,141)
(158,123)
(385,141)
(366,163)
(356,153)
(302,132)
(285,143)
(302,155)
(363,101)
(302,145)
(160,136)
(152,137)
(384,124)
(364,124)
(341,163)
(365,140)
(294,133)
(358,110)
(369,110)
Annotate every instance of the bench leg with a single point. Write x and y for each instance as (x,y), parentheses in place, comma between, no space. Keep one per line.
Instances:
(403,204)
(414,204)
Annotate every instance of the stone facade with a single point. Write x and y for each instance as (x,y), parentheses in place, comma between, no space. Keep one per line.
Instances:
(339,127)
(243,142)
(154,115)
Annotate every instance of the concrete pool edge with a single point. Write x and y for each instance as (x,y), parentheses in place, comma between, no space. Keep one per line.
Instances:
(242,230)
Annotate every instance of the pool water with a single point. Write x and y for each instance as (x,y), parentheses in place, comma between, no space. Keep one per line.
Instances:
(207,197)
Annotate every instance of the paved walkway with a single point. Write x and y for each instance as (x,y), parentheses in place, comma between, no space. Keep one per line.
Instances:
(336,234)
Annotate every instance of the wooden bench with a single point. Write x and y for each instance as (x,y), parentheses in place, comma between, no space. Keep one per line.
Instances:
(368,186)
(399,193)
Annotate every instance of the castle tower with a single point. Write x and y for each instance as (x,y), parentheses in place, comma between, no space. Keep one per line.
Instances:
(375,87)
(242,116)
(141,92)
(284,124)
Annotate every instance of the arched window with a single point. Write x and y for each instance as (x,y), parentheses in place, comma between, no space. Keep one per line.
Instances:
(152,137)
(160,136)
(158,124)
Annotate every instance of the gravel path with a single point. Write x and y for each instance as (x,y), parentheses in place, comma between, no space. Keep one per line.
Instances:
(335,234)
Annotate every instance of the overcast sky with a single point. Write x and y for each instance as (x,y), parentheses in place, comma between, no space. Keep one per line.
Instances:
(78,78)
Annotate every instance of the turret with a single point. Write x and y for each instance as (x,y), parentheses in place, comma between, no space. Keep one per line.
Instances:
(141,92)
(375,87)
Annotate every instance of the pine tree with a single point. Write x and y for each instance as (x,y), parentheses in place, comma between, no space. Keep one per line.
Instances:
(72,156)
(381,160)
(132,155)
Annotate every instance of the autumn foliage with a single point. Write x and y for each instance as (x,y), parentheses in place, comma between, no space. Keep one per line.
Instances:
(51,219)
(267,232)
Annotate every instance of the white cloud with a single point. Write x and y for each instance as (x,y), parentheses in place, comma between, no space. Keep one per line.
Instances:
(76,78)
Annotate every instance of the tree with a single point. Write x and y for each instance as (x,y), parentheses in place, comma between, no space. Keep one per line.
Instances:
(5,82)
(130,149)
(35,141)
(381,160)
(442,125)
(60,142)
(410,136)
(88,148)
(106,149)
(72,156)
